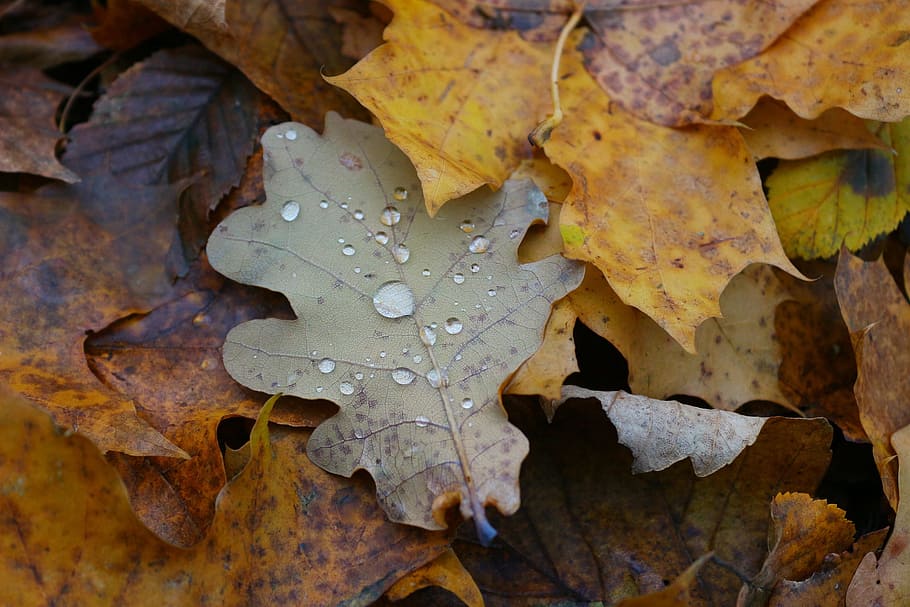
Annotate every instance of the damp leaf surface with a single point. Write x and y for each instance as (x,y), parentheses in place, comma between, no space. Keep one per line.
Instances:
(410,324)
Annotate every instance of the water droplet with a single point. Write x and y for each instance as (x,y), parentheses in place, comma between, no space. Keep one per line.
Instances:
(417,359)
(358,376)
(358,433)
(433,325)
(394,299)
(390,216)
(326,365)
(319,389)
(433,378)
(400,194)
(475,268)
(356,269)
(425,272)
(492,292)
(467,403)
(467,226)
(381,237)
(344,205)
(514,233)
(291,134)
(346,388)
(403,376)
(401,253)
(314,353)
(348,250)
(458,278)
(428,336)
(479,244)
(323,204)
(454,326)
(458,357)
(383,354)
(341,241)
(358,214)
(421,421)
(290,210)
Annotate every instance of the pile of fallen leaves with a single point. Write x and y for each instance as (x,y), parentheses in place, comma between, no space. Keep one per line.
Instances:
(660,358)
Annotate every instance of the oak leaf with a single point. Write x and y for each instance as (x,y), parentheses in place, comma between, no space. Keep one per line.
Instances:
(284,532)
(410,324)
(840,197)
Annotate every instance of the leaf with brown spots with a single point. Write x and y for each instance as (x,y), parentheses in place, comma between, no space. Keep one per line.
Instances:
(284,532)
(410,324)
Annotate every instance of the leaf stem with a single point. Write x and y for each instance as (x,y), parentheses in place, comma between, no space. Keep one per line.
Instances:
(541,133)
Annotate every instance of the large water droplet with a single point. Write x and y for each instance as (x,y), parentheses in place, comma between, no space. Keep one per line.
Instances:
(479,244)
(421,421)
(290,210)
(428,336)
(467,403)
(403,376)
(466,226)
(390,216)
(458,278)
(400,194)
(346,388)
(453,326)
(381,237)
(401,253)
(291,134)
(433,378)
(326,365)
(348,250)
(394,299)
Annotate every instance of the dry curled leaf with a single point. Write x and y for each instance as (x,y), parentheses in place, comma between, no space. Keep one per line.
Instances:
(410,324)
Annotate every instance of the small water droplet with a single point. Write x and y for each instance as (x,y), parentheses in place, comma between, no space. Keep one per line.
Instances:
(383,354)
(433,378)
(341,241)
(344,205)
(425,272)
(514,233)
(358,433)
(358,214)
(319,389)
(417,359)
(475,268)
(401,253)
(389,216)
(326,365)
(458,357)
(433,325)
(403,376)
(348,250)
(323,204)
(381,237)
(492,292)
(291,134)
(290,210)
(467,402)
(428,336)
(346,388)
(356,269)
(467,226)
(394,299)
(421,421)
(358,375)
(458,278)
(400,194)
(453,326)
(479,244)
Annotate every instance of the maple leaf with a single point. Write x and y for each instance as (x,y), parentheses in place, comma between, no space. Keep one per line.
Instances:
(410,324)
(842,197)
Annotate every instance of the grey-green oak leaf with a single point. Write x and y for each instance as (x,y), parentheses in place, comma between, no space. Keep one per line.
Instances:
(410,324)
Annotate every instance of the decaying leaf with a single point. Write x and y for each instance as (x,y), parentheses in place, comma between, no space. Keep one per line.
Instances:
(446,572)
(774,131)
(878,317)
(668,215)
(435,87)
(676,594)
(124,24)
(285,532)
(661,433)
(803,533)
(737,356)
(545,371)
(840,53)
(410,324)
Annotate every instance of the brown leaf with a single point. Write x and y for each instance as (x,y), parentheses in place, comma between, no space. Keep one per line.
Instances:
(284,532)
(41,36)
(555,360)
(376,283)
(446,572)
(124,24)
(878,317)
(361,33)
(675,594)
(27,131)
(775,131)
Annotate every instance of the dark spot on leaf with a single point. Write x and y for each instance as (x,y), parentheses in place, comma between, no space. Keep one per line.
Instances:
(500,152)
(597,135)
(869,173)
(665,54)
(350,161)
(899,38)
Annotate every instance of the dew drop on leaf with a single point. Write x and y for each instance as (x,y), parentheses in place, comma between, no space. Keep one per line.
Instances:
(400,194)
(514,233)
(492,292)
(467,403)
(421,421)
(401,253)
(453,326)
(403,376)
(290,210)
(358,433)
(433,378)
(475,268)
(389,216)
(346,387)
(348,250)
(291,135)
(358,214)
(381,237)
(326,365)
(417,359)
(426,272)
(466,226)
(394,299)
(358,376)
(428,336)
(458,278)
(479,244)
(323,204)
